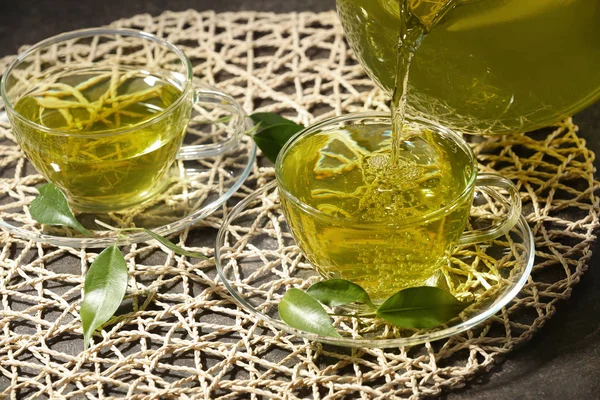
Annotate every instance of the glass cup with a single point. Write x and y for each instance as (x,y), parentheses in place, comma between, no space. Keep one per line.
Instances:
(384,229)
(102,114)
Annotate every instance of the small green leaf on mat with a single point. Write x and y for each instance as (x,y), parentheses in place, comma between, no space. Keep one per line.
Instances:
(104,288)
(420,307)
(173,247)
(337,292)
(273,132)
(51,208)
(300,311)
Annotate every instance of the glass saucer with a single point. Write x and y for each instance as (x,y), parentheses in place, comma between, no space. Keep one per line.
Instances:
(258,261)
(191,191)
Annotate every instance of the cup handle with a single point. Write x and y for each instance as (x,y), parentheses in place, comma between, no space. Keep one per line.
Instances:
(488,184)
(240,123)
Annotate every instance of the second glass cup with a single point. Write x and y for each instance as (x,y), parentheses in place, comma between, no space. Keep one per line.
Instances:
(102,114)
(381,223)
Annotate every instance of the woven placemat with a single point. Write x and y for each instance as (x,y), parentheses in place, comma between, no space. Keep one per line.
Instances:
(180,335)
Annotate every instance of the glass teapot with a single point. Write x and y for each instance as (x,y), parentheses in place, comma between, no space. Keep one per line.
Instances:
(485,66)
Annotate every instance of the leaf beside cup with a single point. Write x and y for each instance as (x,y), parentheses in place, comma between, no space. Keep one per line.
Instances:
(273,131)
(299,310)
(51,208)
(104,288)
(337,292)
(420,307)
(267,119)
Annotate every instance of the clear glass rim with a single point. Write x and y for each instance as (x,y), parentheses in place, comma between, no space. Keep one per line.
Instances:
(521,226)
(315,213)
(81,33)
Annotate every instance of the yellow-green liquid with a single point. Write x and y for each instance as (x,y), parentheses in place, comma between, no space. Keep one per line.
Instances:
(81,153)
(386,192)
(487,66)
(370,239)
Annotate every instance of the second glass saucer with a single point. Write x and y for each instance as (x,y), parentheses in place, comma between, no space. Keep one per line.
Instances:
(258,261)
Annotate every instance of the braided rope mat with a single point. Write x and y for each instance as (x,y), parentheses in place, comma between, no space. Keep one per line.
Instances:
(178,334)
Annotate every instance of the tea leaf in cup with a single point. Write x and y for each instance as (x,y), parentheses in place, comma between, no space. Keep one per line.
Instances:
(51,208)
(104,288)
(420,307)
(273,132)
(337,292)
(301,311)
(117,148)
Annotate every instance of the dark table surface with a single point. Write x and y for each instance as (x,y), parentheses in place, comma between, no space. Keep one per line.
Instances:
(563,359)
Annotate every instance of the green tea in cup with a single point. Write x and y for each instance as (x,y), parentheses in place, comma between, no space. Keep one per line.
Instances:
(104,123)
(75,144)
(381,224)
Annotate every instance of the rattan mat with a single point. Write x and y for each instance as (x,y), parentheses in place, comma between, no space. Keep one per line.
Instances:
(179,334)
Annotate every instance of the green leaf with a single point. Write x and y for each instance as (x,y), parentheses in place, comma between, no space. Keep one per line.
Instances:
(337,292)
(267,119)
(420,307)
(272,139)
(104,288)
(173,247)
(51,208)
(300,311)
(273,132)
